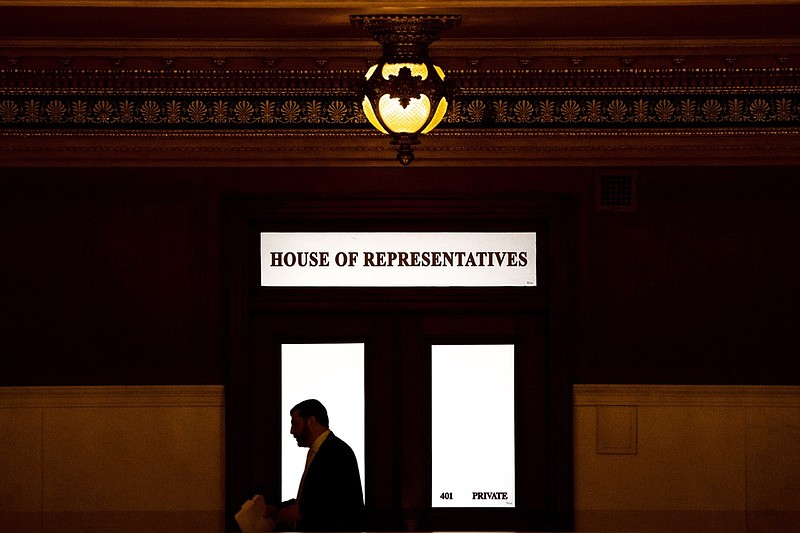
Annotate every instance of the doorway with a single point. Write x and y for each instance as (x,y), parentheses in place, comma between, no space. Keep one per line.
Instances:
(408,336)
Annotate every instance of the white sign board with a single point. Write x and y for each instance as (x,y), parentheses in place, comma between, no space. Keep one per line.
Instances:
(398,259)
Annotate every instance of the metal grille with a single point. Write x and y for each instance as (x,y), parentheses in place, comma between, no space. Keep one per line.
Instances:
(616,192)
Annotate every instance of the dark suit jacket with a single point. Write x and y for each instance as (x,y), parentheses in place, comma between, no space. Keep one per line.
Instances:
(331,498)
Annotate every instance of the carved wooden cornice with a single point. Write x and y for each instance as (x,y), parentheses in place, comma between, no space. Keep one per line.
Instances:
(509,116)
(160,99)
(174,99)
(451,54)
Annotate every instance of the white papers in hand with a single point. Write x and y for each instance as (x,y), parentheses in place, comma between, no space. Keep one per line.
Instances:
(251,517)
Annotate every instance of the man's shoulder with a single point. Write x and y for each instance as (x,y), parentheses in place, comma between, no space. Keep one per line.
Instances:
(332,442)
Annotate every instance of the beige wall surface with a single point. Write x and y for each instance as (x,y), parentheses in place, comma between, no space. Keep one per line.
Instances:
(111,459)
(647,458)
(687,458)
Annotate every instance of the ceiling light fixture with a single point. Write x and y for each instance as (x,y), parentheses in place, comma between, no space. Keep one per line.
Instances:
(404,94)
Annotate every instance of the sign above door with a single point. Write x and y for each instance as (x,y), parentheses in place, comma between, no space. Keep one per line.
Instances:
(398,259)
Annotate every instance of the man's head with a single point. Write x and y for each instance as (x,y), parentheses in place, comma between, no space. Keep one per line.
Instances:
(309,421)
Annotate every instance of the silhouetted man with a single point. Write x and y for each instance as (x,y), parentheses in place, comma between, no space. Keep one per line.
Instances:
(329,497)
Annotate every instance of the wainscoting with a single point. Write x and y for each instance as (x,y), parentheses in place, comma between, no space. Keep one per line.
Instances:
(687,458)
(101,459)
(647,458)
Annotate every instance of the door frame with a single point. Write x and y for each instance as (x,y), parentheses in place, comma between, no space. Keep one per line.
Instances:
(553,217)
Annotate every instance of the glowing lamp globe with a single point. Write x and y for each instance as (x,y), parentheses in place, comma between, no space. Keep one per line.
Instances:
(404,94)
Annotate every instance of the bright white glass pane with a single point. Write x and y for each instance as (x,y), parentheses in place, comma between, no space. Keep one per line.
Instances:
(472,426)
(334,375)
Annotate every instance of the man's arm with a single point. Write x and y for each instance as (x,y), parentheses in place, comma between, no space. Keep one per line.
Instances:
(289,515)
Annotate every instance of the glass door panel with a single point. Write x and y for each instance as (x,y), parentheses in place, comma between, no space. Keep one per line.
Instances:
(332,373)
(472,426)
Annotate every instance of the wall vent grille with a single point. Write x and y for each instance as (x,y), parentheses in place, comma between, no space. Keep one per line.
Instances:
(616,191)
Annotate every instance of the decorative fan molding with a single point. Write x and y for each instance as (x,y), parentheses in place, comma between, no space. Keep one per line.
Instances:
(181,88)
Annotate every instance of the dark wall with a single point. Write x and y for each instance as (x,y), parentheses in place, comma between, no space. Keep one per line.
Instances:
(114,276)
(699,285)
(106,279)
